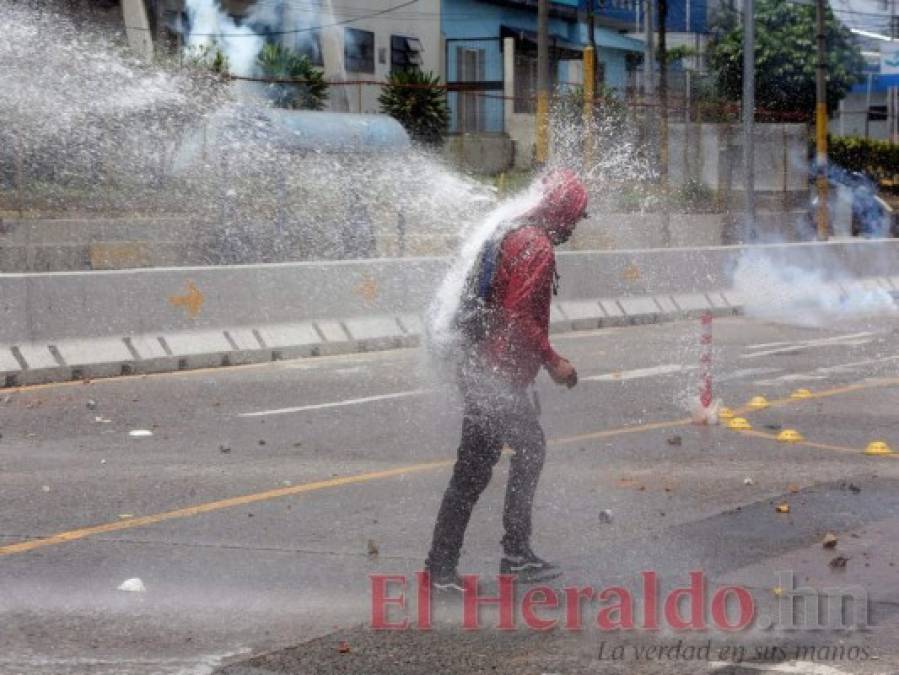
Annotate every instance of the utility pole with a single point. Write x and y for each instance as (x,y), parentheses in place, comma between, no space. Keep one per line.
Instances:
(648,53)
(663,129)
(589,103)
(749,115)
(591,28)
(542,150)
(589,88)
(821,121)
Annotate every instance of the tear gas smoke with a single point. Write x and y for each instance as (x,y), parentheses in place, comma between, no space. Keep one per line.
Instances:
(805,296)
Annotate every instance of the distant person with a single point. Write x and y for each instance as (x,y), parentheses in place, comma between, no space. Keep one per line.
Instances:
(504,321)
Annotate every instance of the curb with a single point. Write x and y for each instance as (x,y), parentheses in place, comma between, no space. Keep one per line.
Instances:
(93,358)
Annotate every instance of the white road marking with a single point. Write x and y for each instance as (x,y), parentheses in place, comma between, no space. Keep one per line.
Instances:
(639,373)
(746,372)
(335,404)
(850,340)
(821,373)
(768,345)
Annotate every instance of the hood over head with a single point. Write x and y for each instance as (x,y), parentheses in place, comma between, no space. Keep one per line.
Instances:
(563,204)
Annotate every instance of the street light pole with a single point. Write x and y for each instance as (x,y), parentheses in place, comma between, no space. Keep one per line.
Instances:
(749,114)
(821,121)
(542,150)
(648,54)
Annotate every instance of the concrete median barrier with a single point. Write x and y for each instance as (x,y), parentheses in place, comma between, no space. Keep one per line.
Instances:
(73,325)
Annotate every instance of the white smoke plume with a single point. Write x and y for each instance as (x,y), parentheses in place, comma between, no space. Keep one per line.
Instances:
(805,296)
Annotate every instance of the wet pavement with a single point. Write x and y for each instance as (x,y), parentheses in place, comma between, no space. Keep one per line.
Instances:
(267,495)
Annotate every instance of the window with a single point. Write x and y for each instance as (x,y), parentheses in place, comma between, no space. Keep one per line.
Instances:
(405,53)
(470,67)
(525,82)
(309,44)
(877,113)
(359,50)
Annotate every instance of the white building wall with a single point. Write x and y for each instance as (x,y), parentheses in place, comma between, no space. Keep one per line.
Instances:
(420,20)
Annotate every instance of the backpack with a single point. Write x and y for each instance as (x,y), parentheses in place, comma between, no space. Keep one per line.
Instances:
(473,317)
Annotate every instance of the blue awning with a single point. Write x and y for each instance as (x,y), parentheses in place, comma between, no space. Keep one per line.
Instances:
(612,40)
(879,83)
(605,39)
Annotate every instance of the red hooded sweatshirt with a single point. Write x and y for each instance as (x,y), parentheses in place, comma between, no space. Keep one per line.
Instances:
(518,341)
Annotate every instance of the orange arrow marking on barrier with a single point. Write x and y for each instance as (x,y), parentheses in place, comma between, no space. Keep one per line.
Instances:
(191,301)
(368,289)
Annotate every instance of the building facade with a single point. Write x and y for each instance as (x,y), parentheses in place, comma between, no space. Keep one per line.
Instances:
(356,46)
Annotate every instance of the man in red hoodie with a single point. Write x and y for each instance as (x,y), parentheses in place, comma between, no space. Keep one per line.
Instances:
(494,381)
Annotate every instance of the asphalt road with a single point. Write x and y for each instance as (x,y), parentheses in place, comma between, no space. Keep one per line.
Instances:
(266,496)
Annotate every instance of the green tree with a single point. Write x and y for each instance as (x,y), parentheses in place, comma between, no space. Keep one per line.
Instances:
(417,101)
(280,63)
(785,57)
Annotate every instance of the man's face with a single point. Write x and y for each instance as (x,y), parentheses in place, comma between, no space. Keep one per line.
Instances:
(560,236)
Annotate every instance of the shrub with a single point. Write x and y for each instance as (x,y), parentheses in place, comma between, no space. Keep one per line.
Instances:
(878,159)
(280,63)
(416,100)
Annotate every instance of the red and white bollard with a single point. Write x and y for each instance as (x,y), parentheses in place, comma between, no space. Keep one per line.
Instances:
(705,361)
(705,410)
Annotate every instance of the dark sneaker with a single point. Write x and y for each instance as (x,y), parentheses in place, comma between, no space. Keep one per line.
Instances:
(522,560)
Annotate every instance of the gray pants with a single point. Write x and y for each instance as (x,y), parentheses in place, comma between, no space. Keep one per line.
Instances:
(496,414)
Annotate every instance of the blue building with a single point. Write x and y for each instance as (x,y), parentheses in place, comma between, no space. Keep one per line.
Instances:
(478,32)
(475,69)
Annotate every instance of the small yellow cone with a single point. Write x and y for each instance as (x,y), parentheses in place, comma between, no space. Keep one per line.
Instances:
(725,414)
(739,424)
(790,436)
(801,393)
(758,402)
(878,448)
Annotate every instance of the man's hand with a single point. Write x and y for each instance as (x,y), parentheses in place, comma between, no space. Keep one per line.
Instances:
(563,373)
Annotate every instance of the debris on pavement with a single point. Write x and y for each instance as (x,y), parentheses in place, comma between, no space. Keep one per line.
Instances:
(140,433)
(778,591)
(224,449)
(839,562)
(261,441)
(854,489)
(675,440)
(99,419)
(748,481)
(372,549)
(782,508)
(134,585)
(91,404)
(793,488)
(830,540)
(45,488)
(605,516)
(343,647)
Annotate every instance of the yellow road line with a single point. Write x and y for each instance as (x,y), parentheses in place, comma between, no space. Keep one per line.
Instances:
(141,521)
(827,393)
(608,433)
(806,443)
